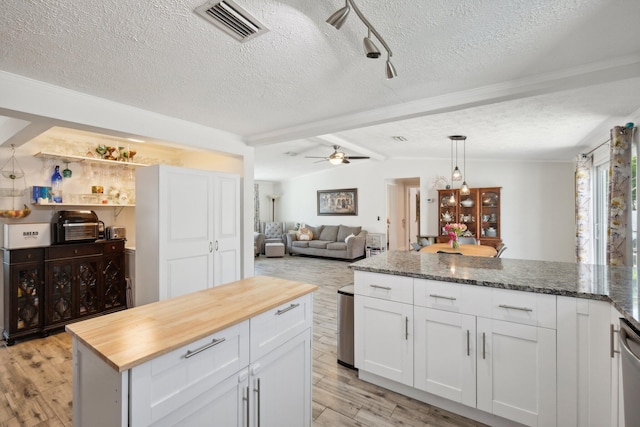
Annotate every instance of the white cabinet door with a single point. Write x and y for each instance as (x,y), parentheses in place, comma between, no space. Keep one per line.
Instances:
(226,228)
(187,231)
(281,385)
(517,371)
(384,338)
(445,354)
(617,398)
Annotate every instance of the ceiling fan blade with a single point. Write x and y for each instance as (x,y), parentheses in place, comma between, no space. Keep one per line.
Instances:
(315,157)
(357,157)
(345,160)
(320,161)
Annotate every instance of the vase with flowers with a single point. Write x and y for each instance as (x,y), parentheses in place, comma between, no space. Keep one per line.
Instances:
(455,230)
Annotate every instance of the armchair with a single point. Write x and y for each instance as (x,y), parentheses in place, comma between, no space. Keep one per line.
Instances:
(273,233)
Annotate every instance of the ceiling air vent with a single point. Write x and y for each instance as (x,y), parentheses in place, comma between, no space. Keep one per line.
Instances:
(232,19)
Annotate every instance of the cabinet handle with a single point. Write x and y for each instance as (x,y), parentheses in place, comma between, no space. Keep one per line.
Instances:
(246,399)
(257,390)
(442,297)
(381,287)
(406,328)
(216,246)
(215,342)
(612,330)
(284,310)
(484,352)
(513,307)
(468,339)
(210,247)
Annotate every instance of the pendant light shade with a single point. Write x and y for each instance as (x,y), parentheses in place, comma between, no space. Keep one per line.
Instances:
(464,190)
(391,70)
(456,175)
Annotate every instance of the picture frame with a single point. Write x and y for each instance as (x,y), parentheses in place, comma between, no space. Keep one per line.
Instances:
(338,202)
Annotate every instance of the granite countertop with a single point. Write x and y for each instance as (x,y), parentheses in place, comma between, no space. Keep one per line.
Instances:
(601,282)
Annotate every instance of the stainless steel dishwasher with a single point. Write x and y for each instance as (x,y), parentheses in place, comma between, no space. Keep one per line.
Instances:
(630,357)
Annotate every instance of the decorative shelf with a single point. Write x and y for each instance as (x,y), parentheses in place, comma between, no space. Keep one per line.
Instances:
(64,158)
(102,205)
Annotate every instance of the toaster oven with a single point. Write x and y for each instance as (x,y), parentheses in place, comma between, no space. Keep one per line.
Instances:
(74,227)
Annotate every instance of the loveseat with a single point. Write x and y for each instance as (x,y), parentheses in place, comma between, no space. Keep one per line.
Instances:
(333,241)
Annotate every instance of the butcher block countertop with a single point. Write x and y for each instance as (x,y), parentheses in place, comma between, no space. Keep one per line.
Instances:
(131,337)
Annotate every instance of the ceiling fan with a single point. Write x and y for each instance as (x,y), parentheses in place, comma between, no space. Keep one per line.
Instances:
(338,157)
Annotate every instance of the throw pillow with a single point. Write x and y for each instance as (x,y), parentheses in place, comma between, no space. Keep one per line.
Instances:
(350,236)
(304,234)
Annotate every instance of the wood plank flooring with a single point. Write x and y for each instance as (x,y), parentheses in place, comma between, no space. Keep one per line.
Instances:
(35,375)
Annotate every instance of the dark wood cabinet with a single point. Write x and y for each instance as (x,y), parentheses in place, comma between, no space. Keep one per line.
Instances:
(46,288)
(23,276)
(479,211)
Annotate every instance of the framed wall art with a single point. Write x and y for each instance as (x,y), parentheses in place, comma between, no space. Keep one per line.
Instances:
(338,202)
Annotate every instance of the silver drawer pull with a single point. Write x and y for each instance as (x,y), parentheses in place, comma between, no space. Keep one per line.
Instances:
(291,307)
(203,348)
(515,307)
(442,297)
(381,287)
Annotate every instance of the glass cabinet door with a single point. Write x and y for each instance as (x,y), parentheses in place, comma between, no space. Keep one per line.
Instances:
(27,284)
(490,213)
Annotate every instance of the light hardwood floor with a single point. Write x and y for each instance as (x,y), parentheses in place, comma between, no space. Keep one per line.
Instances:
(35,375)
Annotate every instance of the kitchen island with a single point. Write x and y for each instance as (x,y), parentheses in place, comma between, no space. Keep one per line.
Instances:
(221,353)
(497,340)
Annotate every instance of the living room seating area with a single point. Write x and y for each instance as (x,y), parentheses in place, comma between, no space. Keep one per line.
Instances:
(331,241)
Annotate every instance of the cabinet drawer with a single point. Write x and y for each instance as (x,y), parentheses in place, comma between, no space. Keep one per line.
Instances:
(384,286)
(275,327)
(529,308)
(164,384)
(435,294)
(113,246)
(68,251)
(24,255)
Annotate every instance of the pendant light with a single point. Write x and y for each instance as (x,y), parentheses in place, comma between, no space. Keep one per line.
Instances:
(456,175)
(452,199)
(464,190)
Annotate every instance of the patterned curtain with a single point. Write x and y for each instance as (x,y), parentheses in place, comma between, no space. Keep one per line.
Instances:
(619,229)
(256,207)
(584,167)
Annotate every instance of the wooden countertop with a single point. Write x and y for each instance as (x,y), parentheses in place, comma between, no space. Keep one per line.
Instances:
(131,337)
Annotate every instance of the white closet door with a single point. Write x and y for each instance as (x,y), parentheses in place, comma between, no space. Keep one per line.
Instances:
(227,228)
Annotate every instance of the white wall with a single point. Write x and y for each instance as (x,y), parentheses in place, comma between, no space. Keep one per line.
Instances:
(537,200)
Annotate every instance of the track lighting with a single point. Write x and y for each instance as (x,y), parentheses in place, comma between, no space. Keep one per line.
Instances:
(370,48)
(338,18)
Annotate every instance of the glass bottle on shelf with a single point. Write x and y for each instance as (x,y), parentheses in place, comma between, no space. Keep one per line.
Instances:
(56,185)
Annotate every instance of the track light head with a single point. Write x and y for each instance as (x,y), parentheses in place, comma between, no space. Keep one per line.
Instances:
(339,17)
(391,70)
(370,48)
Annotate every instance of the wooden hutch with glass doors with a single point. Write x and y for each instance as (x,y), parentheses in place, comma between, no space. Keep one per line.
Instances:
(479,211)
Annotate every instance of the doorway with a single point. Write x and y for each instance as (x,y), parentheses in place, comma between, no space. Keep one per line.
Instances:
(403,213)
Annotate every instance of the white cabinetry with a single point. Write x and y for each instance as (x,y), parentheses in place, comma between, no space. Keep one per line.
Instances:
(187,231)
(256,373)
(617,398)
(490,349)
(383,324)
(584,362)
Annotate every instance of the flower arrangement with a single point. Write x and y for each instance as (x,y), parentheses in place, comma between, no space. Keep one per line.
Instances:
(455,230)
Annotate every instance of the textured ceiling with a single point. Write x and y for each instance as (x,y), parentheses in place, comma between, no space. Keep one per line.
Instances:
(526,78)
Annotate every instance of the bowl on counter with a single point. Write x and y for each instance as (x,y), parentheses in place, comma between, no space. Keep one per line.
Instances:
(467,203)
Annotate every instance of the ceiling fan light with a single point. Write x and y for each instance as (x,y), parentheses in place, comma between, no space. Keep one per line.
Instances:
(336,160)
(339,17)
(370,48)
(391,70)
(464,190)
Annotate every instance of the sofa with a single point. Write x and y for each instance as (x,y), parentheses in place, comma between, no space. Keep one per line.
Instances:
(331,241)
